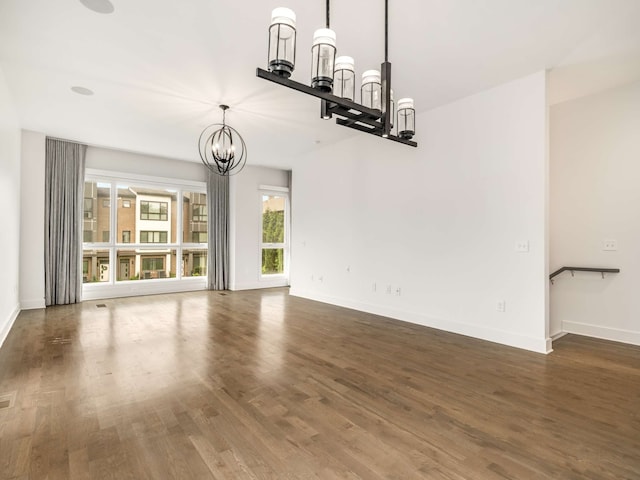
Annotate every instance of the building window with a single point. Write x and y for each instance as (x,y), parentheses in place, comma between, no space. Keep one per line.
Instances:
(153,210)
(199,237)
(105,236)
(88,208)
(152,264)
(87,236)
(199,212)
(274,247)
(126,236)
(153,237)
(106,203)
(126,204)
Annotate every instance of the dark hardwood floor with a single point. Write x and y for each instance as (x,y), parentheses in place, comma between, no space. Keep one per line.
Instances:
(260,385)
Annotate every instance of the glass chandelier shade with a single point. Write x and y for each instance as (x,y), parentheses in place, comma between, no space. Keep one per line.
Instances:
(282,42)
(371,90)
(222,149)
(323,58)
(406,118)
(344,81)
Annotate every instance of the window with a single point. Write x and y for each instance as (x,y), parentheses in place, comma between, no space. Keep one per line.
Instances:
(194,262)
(147,214)
(88,208)
(273,234)
(95,265)
(95,214)
(153,237)
(153,210)
(152,263)
(199,212)
(194,214)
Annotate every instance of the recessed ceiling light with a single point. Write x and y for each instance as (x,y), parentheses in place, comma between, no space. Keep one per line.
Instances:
(81,90)
(98,6)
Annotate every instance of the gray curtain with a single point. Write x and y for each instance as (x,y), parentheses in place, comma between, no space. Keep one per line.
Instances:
(64,188)
(218,210)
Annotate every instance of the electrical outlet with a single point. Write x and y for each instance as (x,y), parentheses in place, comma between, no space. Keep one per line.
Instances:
(610,245)
(522,246)
(388,289)
(321,279)
(398,291)
(501,306)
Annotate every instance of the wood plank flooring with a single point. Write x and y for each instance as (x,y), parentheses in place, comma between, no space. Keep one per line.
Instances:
(260,385)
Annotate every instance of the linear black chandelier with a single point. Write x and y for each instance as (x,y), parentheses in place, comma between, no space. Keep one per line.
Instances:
(333,80)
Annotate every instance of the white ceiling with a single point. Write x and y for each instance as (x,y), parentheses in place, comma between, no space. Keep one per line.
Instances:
(160,68)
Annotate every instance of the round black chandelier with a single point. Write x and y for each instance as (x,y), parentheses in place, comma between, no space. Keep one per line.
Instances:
(222,149)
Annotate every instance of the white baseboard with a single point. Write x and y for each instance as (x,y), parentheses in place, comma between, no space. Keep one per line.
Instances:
(605,333)
(538,345)
(32,304)
(4,331)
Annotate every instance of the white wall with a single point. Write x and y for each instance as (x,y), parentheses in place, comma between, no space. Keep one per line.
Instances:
(120,161)
(595,196)
(246,226)
(32,220)
(10,216)
(440,222)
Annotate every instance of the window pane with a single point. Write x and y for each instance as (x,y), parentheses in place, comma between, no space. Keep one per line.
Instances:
(143,264)
(199,237)
(272,261)
(194,262)
(126,214)
(153,237)
(96,211)
(272,219)
(144,209)
(194,217)
(95,266)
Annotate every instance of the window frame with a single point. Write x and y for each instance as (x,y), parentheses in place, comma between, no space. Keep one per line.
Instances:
(176,187)
(200,215)
(276,192)
(154,232)
(160,213)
